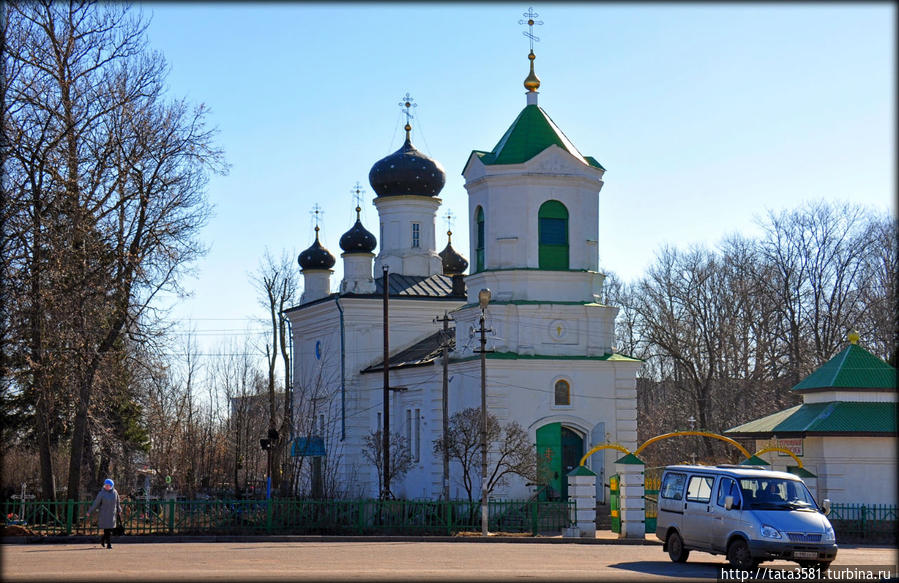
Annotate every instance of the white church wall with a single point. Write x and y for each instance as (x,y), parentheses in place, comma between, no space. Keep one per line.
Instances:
(397,215)
(511,196)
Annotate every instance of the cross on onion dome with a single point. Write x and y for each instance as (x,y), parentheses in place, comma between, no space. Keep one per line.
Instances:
(316,214)
(450,219)
(407,103)
(357,192)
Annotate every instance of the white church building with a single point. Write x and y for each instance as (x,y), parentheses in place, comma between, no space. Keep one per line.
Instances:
(533,212)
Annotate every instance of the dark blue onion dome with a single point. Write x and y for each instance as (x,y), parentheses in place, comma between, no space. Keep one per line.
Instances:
(453,263)
(316,256)
(407,171)
(358,239)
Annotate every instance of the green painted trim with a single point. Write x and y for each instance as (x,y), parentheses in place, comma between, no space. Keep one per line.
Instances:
(630,459)
(801,472)
(552,209)
(581,471)
(539,269)
(614,357)
(536,303)
(754,461)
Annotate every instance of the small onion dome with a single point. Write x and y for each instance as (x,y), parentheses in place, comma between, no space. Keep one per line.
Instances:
(407,171)
(316,256)
(358,239)
(453,263)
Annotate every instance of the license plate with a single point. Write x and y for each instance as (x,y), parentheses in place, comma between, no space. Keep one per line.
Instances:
(805,555)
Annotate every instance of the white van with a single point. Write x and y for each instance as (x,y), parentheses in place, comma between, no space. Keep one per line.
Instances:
(749,515)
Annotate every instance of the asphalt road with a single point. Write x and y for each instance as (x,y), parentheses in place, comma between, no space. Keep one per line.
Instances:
(372,561)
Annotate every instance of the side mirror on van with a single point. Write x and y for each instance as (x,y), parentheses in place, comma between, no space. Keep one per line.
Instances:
(825,506)
(728,502)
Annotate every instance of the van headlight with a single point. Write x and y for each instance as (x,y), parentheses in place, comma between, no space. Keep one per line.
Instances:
(769,531)
(829,535)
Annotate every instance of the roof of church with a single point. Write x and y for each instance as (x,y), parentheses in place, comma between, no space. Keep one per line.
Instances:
(532,132)
(432,286)
(422,353)
(853,368)
(833,418)
(407,171)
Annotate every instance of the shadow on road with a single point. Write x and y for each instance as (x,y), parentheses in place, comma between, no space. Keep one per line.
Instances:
(669,569)
(57,549)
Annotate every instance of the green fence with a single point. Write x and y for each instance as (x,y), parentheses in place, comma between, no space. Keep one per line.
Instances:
(863,520)
(298,516)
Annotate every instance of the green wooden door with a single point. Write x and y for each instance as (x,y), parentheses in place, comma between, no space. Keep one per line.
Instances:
(559,450)
(572,451)
(549,459)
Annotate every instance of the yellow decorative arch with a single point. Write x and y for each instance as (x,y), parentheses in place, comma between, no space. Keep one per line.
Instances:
(602,446)
(783,450)
(742,449)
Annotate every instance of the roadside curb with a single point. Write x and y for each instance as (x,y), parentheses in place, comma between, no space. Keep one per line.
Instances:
(85,539)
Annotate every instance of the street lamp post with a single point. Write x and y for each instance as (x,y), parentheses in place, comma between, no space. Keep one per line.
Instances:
(483,300)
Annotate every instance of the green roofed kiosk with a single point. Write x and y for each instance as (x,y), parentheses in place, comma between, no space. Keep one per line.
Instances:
(844,431)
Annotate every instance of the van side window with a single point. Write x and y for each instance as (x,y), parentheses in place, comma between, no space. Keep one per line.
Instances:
(728,488)
(673,486)
(700,488)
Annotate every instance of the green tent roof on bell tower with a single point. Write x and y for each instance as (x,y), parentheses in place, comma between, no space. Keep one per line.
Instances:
(532,132)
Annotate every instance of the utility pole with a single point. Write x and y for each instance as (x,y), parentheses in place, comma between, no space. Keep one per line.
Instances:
(386,429)
(483,300)
(445,343)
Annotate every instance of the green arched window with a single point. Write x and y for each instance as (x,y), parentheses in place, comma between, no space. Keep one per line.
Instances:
(479,239)
(553,235)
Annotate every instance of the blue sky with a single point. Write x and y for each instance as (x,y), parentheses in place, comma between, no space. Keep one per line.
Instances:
(704,115)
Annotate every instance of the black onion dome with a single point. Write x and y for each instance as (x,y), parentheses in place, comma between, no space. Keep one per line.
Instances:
(453,263)
(407,171)
(358,239)
(316,256)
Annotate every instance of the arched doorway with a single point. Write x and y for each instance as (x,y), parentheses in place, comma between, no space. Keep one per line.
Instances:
(559,450)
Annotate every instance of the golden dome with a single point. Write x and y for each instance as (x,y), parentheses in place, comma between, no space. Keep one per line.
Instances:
(532,82)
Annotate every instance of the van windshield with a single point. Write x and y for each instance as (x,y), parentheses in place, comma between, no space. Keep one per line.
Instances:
(776,494)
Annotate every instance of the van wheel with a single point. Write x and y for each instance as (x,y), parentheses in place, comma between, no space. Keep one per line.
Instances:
(676,549)
(738,555)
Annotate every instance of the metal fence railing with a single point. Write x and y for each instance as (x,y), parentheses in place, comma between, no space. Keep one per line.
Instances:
(291,516)
(863,520)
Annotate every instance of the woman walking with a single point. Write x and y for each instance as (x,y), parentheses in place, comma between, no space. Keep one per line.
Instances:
(108,503)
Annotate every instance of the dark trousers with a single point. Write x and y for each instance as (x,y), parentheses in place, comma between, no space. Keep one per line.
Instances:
(107,533)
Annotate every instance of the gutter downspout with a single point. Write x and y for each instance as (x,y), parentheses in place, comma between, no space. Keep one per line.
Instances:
(293,395)
(342,371)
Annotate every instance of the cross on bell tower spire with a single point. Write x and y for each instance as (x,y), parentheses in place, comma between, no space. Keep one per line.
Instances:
(531,82)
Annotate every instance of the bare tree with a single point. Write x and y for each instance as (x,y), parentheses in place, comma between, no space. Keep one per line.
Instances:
(400,456)
(512,451)
(278,280)
(108,183)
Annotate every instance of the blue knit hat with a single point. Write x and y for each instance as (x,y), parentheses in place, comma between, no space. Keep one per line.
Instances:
(109,483)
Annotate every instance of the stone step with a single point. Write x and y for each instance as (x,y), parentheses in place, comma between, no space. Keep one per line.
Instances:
(603,517)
